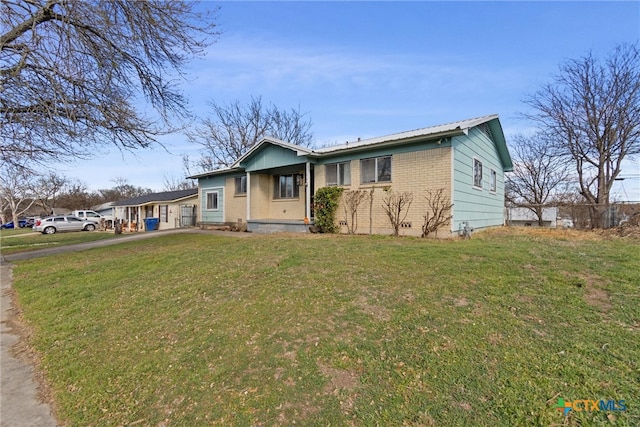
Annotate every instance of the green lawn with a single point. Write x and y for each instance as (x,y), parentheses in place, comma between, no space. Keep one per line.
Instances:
(25,239)
(339,330)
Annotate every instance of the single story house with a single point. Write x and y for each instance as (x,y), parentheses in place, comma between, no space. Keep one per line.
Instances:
(169,209)
(524,217)
(105,209)
(271,187)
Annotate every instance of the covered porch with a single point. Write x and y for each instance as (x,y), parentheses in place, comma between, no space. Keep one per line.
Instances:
(268,189)
(280,199)
(279,187)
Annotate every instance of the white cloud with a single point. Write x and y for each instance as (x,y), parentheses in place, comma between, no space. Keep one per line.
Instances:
(241,66)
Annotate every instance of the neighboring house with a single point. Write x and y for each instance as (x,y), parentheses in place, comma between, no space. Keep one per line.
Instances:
(171,209)
(105,209)
(271,187)
(523,217)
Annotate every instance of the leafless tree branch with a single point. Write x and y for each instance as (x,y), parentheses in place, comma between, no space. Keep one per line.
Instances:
(591,110)
(73,74)
(234,128)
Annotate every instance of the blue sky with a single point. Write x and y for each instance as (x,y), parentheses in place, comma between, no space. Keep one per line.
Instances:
(365,69)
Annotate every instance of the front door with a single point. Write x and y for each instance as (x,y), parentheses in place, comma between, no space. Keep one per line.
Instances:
(187,215)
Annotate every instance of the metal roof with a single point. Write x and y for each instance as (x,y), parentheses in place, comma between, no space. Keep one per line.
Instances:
(449,129)
(461,126)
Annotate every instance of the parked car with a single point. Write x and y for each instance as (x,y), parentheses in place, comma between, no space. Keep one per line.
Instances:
(21,224)
(92,216)
(31,221)
(53,224)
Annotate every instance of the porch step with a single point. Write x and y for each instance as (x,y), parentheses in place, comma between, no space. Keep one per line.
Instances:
(276,226)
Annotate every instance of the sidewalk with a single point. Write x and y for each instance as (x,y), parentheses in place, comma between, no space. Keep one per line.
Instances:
(19,403)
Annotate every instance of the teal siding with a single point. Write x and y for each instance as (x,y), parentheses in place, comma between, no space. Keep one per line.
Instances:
(480,207)
(270,157)
(207,185)
(212,216)
(213,181)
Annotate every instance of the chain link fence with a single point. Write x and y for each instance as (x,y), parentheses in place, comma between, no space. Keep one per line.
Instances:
(573,215)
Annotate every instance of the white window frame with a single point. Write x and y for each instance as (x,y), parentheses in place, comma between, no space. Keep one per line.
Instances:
(376,170)
(475,175)
(164,213)
(206,200)
(493,180)
(339,167)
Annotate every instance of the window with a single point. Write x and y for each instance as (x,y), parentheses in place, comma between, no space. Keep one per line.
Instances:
(164,209)
(212,201)
(338,173)
(286,187)
(241,185)
(377,169)
(493,181)
(477,173)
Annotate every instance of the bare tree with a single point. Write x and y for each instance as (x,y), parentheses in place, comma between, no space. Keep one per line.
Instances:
(396,206)
(536,175)
(592,111)
(17,189)
(438,212)
(352,200)
(73,72)
(174,184)
(235,128)
(122,190)
(50,186)
(76,195)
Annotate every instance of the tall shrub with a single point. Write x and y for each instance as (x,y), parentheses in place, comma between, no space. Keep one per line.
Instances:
(326,205)
(396,206)
(352,200)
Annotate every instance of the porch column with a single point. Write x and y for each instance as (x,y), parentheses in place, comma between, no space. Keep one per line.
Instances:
(307,188)
(248,196)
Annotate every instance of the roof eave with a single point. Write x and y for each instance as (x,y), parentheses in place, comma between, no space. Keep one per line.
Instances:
(300,151)
(392,142)
(214,172)
(501,144)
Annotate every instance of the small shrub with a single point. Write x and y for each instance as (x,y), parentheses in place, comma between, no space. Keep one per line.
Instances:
(396,206)
(438,212)
(352,200)
(326,204)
